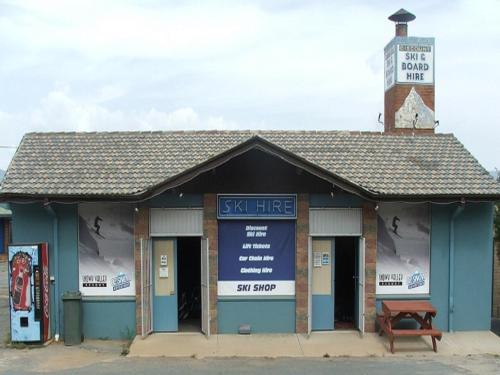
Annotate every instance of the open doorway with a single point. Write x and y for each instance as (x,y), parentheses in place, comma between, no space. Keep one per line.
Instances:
(189,283)
(345,281)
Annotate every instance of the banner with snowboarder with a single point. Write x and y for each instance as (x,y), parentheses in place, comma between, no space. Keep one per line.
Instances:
(403,248)
(106,249)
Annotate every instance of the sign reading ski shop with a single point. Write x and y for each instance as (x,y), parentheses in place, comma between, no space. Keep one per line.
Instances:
(256,258)
(256,250)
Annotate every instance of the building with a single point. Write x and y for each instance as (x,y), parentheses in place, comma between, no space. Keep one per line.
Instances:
(263,231)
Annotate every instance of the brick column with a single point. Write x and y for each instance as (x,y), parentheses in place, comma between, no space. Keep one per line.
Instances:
(301,264)
(141,230)
(210,232)
(393,100)
(370,235)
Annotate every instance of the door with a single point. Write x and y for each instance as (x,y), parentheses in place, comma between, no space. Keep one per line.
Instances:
(205,290)
(147,287)
(165,317)
(361,286)
(323,254)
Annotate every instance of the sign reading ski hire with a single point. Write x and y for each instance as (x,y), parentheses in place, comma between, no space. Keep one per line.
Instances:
(257,206)
(256,258)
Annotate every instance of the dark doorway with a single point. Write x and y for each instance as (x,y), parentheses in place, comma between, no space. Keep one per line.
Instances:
(345,282)
(189,283)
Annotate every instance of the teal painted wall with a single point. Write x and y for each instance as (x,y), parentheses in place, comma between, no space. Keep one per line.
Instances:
(68,251)
(440,252)
(171,200)
(112,319)
(264,316)
(473,266)
(341,200)
(31,223)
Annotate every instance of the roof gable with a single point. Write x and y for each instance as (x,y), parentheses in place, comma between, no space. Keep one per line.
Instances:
(255,142)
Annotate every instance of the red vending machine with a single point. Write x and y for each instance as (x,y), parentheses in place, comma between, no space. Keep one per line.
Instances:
(29,293)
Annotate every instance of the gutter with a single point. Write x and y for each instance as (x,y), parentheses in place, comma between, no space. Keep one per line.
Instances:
(154,191)
(451,266)
(55,234)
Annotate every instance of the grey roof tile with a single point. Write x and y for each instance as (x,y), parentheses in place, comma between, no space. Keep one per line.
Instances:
(128,163)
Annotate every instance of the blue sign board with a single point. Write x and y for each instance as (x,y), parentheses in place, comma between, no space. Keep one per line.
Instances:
(256,257)
(257,207)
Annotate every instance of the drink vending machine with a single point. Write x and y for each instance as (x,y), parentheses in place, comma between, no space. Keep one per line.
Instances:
(29,293)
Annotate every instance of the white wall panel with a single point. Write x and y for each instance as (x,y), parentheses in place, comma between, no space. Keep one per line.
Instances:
(335,222)
(176,222)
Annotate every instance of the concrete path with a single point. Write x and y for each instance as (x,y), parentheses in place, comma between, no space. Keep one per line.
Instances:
(103,357)
(327,344)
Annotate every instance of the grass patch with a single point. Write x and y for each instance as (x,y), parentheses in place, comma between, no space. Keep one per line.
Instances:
(128,336)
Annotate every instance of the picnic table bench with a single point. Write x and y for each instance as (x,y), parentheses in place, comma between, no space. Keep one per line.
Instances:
(420,311)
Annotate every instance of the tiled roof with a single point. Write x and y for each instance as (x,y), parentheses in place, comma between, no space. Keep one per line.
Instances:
(130,163)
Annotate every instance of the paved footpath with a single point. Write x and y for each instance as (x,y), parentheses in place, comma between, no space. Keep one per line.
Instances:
(373,366)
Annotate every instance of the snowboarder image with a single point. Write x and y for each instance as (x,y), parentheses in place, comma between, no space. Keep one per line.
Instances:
(395,220)
(97,225)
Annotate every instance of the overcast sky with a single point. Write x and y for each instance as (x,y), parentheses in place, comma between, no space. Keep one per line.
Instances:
(156,65)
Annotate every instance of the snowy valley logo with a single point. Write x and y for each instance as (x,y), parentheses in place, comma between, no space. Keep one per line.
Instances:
(415,280)
(120,282)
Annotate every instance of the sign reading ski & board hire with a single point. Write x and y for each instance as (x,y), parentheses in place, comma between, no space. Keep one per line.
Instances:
(409,61)
(256,249)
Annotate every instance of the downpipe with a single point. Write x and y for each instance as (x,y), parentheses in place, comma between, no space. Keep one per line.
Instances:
(451,267)
(55,234)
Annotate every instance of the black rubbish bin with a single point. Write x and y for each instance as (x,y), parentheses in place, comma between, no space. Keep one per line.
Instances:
(72,318)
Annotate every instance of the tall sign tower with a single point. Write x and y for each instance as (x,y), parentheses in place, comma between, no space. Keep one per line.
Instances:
(409,80)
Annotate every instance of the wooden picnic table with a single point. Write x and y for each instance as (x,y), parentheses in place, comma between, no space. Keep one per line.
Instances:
(420,311)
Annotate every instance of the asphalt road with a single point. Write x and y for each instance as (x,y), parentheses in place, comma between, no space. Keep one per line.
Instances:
(331,366)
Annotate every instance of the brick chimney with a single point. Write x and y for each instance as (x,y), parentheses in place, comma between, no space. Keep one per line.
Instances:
(409,80)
